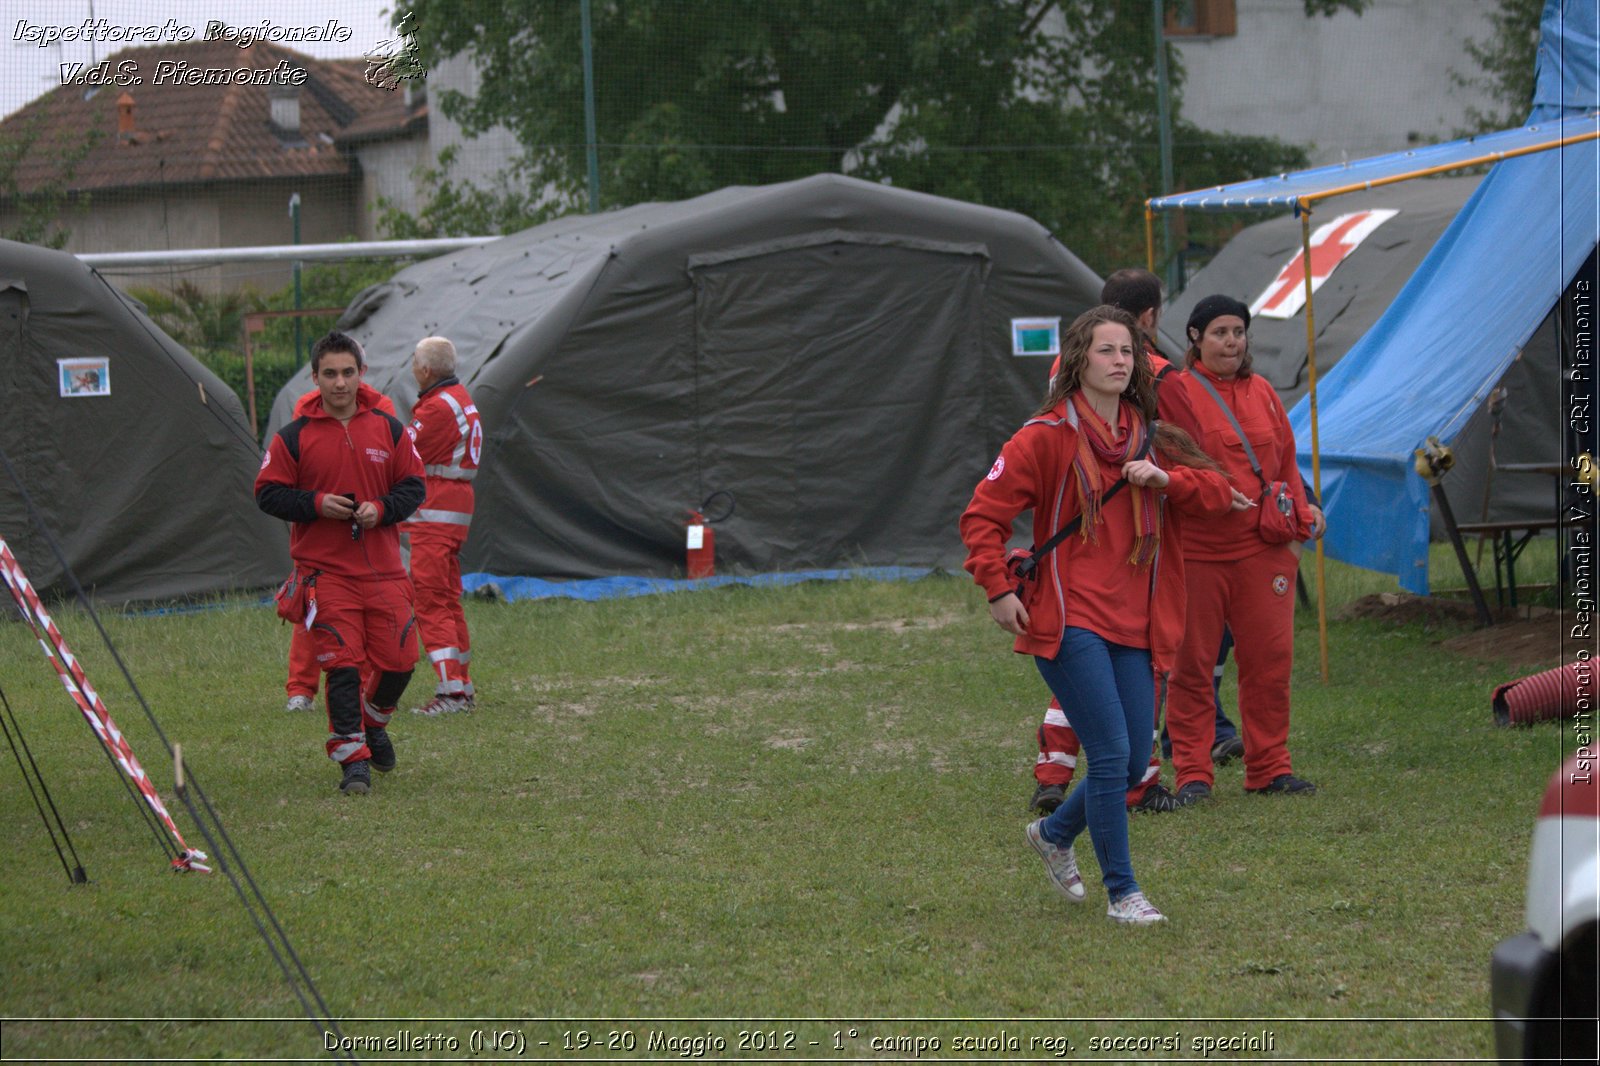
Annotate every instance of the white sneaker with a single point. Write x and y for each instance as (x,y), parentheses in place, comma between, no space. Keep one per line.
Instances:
(440,705)
(1060,863)
(300,703)
(1134,909)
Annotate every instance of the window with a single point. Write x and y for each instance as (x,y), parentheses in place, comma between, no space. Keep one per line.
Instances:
(1200,18)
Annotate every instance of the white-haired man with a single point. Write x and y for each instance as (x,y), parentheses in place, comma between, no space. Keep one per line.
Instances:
(449,437)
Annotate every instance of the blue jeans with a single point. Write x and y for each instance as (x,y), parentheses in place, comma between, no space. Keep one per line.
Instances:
(1107,692)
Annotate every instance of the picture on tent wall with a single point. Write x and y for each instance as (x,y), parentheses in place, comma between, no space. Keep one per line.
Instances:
(1036,336)
(85,377)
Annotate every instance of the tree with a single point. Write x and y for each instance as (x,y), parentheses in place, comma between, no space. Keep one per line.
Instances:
(1041,106)
(211,324)
(37,210)
(1505,62)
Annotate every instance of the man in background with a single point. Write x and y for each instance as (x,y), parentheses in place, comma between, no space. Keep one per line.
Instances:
(449,437)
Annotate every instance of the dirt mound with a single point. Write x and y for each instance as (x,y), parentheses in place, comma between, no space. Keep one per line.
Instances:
(1403,608)
(1533,638)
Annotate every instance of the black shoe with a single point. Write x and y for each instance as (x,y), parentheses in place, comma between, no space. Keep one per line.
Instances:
(1192,793)
(1224,752)
(1157,799)
(382,748)
(1284,784)
(357,778)
(1046,798)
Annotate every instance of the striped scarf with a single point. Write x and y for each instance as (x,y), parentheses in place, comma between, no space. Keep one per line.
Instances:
(1097,443)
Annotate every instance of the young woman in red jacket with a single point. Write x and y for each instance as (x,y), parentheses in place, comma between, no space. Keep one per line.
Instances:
(1110,596)
(1237,578)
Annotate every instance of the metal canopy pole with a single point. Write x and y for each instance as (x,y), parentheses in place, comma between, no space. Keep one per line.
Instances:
(1316,448)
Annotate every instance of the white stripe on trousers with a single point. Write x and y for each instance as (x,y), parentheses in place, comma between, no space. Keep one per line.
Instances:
(442,518)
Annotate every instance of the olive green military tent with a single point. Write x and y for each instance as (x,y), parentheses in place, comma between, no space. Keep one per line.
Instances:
(839,356)
(137,459)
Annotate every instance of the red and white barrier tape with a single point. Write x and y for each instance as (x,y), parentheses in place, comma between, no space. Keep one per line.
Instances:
(89,702)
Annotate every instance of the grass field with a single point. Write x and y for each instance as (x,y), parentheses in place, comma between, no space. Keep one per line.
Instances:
(777,812)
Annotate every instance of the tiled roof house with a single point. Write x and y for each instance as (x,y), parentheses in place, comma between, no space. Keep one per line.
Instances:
(207,148)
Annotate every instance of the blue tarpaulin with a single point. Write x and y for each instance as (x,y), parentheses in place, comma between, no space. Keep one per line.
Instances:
(1285,190)
(1431,360)
(606,588)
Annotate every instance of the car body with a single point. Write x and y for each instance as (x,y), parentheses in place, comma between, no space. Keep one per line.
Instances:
(1543,981)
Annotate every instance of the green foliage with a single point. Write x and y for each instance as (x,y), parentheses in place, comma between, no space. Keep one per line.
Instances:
(755,803)
(1504,66)
(462,209)
(211,325)
(208,324)
(42,209)
(1048,110)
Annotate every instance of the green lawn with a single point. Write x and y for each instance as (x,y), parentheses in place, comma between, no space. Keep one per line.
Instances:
(772,805)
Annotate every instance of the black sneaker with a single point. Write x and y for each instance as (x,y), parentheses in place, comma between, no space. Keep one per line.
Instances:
(1284,785)
(1157,799)
(1046,798)
(1192,793)
(382,748)
(1224,752)
(357,778)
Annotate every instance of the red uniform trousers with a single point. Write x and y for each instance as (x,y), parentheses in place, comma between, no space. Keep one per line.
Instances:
(436,573)
(1058,751)
(366,624)
(1254,596)
(305,675)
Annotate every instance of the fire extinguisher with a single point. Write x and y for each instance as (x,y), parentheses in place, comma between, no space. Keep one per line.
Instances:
(701,541)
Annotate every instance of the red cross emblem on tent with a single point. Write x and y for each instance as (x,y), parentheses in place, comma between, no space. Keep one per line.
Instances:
(1330,245)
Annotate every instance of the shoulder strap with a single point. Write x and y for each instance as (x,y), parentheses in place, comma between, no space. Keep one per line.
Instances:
(1250,453)
(1038,552)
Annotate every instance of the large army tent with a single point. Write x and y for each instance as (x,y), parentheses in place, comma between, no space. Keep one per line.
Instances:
(1515,430)
(138,459)
(837,355)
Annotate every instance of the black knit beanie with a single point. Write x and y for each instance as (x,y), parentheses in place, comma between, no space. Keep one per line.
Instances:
(1213,307)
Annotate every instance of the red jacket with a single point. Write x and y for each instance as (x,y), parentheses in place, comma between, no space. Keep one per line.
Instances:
(370,457)
(1260,413)
(1032,473)
(449,438)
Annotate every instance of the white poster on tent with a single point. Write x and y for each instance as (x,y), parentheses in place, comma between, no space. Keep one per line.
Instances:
(84,377)
(1036,336)
(1331,244)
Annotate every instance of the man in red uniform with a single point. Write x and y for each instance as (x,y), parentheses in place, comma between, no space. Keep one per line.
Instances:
(449,437)
(344,476)
(305,673)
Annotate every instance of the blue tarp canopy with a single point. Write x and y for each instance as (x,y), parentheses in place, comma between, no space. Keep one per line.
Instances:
(1431,360)
(1286,190)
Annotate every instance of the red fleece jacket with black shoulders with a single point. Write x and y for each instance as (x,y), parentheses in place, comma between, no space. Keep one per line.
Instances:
(370,457)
